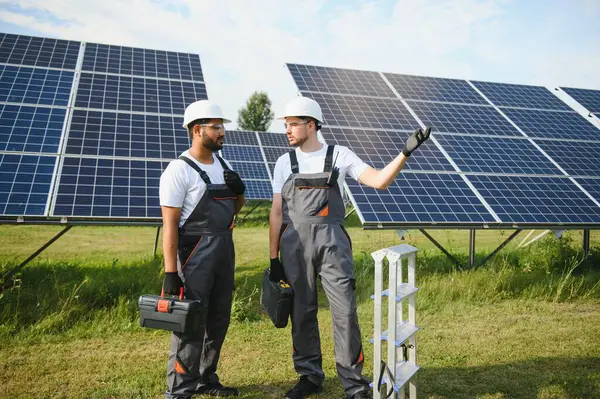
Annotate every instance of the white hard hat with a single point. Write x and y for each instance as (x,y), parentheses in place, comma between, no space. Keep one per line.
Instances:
(303,106)
(202,109)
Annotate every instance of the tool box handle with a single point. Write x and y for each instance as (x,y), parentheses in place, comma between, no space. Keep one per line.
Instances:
(162,293)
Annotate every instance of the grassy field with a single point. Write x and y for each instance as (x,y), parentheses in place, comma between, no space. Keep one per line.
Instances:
(526,325)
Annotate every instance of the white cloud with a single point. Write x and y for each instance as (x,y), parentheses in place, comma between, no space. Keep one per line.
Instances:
(244,45)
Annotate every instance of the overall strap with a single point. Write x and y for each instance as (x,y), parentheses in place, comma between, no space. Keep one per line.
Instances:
(203,174)
(294,161)
(223,163)
(329,158)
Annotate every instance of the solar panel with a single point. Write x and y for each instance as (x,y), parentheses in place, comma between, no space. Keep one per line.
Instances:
(522,96)
(590,99)
(259,189)
(137,94)
(240,137)
(38,51)
(30,129)
(25,183)
(242,153)
(420,198)
(434,89)
(577,158)
(250,170)
(456,118)
(141,62)
(379,147)
(108,134)
(114,188)
(592,186)
(364,112)
(340,81)
(496,155)
(553,124)
(35,85)
(274,139)
(543,200)
(273,153)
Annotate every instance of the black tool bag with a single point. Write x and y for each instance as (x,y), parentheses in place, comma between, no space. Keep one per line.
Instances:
(276,300)
(172,314)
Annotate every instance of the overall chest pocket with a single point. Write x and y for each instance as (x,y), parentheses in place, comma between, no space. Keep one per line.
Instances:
(311,196)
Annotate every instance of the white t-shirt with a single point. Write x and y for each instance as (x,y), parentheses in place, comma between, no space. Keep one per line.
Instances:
(182,187)
(313,162)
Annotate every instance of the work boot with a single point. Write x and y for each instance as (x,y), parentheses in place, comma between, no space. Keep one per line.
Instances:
(368,394)
(218,390)
(303,388)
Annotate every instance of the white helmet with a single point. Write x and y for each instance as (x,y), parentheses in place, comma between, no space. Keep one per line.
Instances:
(303,106)
(202,109)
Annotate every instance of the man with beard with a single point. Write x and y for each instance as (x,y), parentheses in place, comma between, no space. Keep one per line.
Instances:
(199,197)
(307,231)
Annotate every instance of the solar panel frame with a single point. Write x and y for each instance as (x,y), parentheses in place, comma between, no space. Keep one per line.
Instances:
(497,155)
(268,139)
(591,185)
(379,147)
(413,198)
(576,158)
(241,137)
(38,51)
(116,134)
(27,85)
(553,124)
(25,183)
(114,92)
(103,188)
(463,119)
(411,87)
(531,200)
(141,62)
(520,96)
(589,99)
(364,112)
(31,129)
(339,81)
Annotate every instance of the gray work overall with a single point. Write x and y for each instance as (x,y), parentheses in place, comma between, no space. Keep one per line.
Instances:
(313,242)
(205,262)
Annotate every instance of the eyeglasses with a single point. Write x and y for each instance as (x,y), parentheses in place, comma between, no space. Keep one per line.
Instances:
(217,127)
(292,125)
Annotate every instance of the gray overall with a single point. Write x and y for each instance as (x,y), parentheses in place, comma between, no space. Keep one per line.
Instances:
(313,242)
(206,262)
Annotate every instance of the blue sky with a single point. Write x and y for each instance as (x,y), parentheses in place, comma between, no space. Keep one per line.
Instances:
(244,45)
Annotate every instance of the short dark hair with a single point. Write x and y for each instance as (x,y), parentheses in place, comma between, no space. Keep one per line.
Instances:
(311,119)
(195,122)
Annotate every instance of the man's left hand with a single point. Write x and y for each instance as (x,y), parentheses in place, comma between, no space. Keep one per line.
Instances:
(234,182)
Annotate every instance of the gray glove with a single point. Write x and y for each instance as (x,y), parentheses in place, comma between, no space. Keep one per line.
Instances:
(418,137)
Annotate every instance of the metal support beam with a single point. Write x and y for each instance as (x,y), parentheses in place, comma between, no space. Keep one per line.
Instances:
(11,272)
(156,240)
(350,213)
(249,213)
(441,248)
(509,239)
(586,243)
(471,247)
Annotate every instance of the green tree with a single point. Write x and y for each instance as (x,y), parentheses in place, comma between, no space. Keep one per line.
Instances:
(257,114)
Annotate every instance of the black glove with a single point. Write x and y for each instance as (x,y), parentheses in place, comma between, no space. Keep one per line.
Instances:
(418,137)
(234,182)
(276,273)
(172,283)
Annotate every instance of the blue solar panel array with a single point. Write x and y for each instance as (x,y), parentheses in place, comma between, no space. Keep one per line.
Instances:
(590,99)
(502,154)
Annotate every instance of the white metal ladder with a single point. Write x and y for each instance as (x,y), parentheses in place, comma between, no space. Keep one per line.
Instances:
(399,293)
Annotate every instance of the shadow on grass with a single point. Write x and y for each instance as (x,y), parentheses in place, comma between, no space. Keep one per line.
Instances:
(541,377)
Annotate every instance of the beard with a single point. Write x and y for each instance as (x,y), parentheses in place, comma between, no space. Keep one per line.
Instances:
(299,142)
(207,142)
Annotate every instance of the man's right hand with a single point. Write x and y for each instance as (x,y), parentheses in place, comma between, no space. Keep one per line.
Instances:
(276,271)
(172,283)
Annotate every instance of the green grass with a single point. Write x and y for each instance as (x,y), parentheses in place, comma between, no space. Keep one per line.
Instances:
(526,325)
